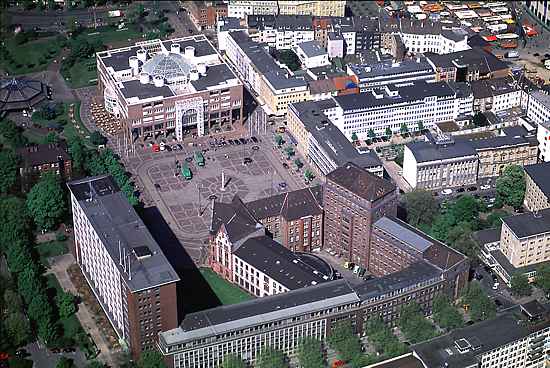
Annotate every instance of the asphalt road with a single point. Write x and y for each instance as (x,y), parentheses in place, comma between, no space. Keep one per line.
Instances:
(51,20)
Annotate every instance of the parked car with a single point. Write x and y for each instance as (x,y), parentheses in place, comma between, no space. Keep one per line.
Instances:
(495,286)
(254,139)
(485,187)
(447,192)
(285,165)
(460,190)
(498,303)
(472,189)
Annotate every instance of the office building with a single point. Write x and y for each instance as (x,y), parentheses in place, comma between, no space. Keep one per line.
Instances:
(395,245)
(538,111)
(295,219)
(440,164)
(124,266)
(275,86)
(388,71)
(537,186)
(312,54)
(280,321)
(170,87)
(497,94)
(205,13)
(354,199)
(322,144)
(41,158)
(514,339)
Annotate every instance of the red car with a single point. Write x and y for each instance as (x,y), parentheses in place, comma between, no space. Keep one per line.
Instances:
(4,356)
(156,148)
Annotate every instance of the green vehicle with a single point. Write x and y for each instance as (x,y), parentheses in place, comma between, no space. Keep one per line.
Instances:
(186,172)
(199,158)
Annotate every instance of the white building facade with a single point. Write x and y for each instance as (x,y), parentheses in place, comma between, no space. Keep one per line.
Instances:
(242,8)
(538,111)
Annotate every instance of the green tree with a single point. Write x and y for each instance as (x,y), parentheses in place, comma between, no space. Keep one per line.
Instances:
(510,186)
(47,330)
(494,219)
(8,170)
(420,126)
(18,328)
(308,174)
(96,364)
(289,58)
(65,304)
(135,13)
(289,151)
(271,358)
(519,283)
(14,223)
(310,353)
(97,138)
(78,153)
(72,25)
(233,361)
(389,132)
(19,257)
(279,140)
(64,362)
(46,202)
(39,306)
(371,133)
(414,325)
(28,282)
(480,120)
(354,137)
(404,129)
(151,359)
(481,307)
(445,314)
(12,133)
(543,277)
(421,207)
(51,137)
(299,164)
(12,301)
(345,341)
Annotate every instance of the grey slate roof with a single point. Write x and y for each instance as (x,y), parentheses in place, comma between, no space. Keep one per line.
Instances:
(118,60)
(236,218)
(540,174)
(475,59)
(43,154)
(529,223)
(216,75)
(390,68)
(407,93)
(403,232)
(279,263)
(487,236)
(361,182)
(484,336)
(291,205)
(427,151)
(20,93)
(486,88)
(116,222)
(497,142)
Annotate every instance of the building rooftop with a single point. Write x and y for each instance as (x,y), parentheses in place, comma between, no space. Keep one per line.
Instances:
(487,236)
(312,48)
(43,154)
(405,361)
(216,75)
(474,59)
(291,205)
(404,93)
(427,151)
(237,220)
(279,263)
(485,88)
(540,174)
(20,93)
(122,232)
(227,318)
(462,347)
(361,182)
(134,89)
(529,223)
(390,68)
(497,142)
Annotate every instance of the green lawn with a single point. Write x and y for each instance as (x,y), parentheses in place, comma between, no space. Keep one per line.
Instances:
(27,57)
(82,74)
(51,249)
(70,130)
(112,36)
(34,137)
(225,291)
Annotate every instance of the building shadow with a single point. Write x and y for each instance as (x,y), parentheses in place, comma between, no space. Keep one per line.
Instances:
(194,293)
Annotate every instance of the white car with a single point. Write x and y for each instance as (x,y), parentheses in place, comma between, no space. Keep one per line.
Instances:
(447,192)
(495,286)
(162,146)
(485,187)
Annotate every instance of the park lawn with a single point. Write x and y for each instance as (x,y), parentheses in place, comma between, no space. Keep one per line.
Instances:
(225,291)
(82,74)
(51,249)
(70,130)
(111,36)
(30,53)
(33,136)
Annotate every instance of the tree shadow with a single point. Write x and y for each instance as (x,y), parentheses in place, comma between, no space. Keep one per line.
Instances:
(193,292)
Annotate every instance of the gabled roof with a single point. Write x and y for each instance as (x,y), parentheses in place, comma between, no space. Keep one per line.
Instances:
(236,219)
(292,205)
(361,182)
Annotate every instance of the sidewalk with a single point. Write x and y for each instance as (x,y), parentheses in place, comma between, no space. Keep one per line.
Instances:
(59,269)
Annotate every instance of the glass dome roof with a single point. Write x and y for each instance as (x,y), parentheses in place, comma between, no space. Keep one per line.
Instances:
(168,65)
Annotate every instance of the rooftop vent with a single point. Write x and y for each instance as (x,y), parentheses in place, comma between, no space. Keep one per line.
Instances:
(462,345)
(142,252)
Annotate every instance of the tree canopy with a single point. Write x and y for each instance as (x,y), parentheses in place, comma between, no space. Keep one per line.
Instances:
(421,207)
(151,359)
(344,341)
(383,339)
(510,186)
(271,358)
(519,283)
(310,353)
(445,314)
(46,202)
(481,307)
(414,325)
(8,170)
(543,277)
(233,361)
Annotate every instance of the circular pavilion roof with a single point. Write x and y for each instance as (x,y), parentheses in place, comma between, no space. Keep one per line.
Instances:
(168,65)
(20,93)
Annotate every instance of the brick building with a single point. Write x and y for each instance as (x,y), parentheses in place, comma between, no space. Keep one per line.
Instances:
(204,14)
(41,158)
(354,199)
(124,266)
(295,219)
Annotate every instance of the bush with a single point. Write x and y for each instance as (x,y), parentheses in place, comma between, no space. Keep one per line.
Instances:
(60,236)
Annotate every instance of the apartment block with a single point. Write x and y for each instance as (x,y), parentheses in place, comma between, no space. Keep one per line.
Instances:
(514,339)
(329,8)
(440,164)
(242,8)
(525,238)
(538,111)
(537,186)
(170,87)
(497,94)
(354,199)
(312,54)
(125,268)
(204,14)
(295,219)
